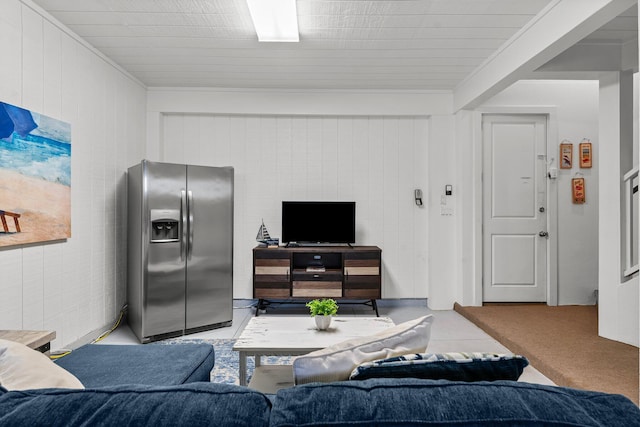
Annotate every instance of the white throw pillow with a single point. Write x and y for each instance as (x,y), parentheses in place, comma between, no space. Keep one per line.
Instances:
(335,363)
(22,368)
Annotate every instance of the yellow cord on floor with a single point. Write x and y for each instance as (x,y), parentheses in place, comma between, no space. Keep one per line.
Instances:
(100,338)
(113,328)
(58,356)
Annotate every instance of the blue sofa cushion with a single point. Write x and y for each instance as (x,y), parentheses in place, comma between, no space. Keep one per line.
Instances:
(197,404)
(445,366)
(411,401)
(101,365)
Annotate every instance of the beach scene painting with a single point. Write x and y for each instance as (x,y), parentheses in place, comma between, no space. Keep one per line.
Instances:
(35,177)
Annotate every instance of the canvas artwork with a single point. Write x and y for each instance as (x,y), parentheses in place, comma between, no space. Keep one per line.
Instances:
(35,177)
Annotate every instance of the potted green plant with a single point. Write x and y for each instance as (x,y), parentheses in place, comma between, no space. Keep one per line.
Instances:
(322,310)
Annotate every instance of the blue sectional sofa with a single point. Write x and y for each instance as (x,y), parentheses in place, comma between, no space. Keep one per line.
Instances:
(168,385)
(152,364)
(380,401)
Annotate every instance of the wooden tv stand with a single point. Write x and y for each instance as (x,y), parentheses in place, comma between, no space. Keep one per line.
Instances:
(305,273)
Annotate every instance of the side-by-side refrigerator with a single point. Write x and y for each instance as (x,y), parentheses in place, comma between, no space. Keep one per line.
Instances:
(180,249)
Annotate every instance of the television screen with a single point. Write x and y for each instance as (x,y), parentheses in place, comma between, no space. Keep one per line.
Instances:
(319,222)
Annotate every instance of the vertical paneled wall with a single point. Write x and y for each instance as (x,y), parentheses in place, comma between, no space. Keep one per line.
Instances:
(376,161)
(78,285)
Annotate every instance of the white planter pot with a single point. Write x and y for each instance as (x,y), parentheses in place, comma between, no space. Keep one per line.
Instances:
(322,322)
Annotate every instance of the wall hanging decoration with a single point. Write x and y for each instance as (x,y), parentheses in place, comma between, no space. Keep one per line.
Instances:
(585,153)
(566,155)
(35,172)
(578,190)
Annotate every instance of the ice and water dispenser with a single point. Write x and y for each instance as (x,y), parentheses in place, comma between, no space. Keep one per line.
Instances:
(165,225)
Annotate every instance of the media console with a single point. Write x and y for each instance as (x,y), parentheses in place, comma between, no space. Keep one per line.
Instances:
(305,273)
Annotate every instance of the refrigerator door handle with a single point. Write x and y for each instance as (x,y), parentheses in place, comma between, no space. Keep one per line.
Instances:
(183,214)
(190,209)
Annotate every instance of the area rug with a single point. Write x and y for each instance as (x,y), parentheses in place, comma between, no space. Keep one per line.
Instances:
(562,342)
(227,361)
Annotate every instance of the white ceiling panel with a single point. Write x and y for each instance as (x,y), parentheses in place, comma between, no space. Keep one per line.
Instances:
(344,44)
(211,43)
(159,19)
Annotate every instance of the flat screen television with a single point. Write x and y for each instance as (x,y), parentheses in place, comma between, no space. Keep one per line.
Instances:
(318,222)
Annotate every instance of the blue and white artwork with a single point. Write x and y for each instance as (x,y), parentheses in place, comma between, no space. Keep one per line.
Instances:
(35,177)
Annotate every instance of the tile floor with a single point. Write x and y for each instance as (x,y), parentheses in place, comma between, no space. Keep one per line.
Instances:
(449,332)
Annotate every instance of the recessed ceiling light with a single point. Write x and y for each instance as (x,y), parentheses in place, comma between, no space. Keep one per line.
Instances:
(275,20)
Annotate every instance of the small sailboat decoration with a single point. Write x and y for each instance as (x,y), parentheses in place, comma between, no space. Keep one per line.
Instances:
(265,239)
(263,234)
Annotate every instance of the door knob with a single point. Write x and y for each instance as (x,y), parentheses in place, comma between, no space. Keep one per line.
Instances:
(543,234)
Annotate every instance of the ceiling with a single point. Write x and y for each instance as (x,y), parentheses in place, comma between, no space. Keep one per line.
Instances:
(344,44)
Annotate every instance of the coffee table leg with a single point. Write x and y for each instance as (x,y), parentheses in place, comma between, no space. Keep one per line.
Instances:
(242,375)
(257,360)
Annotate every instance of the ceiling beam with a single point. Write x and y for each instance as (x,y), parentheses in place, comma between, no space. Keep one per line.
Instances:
(556,28)
(630,56)
(587,57)
(594,57)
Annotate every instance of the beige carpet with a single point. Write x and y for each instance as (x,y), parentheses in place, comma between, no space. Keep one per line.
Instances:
(562,342)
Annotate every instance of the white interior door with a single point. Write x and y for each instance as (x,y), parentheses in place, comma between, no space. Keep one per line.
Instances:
(515,208)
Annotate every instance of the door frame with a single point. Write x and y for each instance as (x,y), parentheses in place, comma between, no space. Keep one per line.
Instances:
(552,197)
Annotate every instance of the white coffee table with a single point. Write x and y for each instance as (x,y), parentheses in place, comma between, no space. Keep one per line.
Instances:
(294,336)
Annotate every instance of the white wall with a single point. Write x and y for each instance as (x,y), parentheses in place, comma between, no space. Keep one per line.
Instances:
(376,161)
(618,301)
(443,232)
(468,142)
(370,146)
(576,108)
(76,286)
(304,102)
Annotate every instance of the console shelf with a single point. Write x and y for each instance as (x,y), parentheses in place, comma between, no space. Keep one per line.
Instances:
(339,272)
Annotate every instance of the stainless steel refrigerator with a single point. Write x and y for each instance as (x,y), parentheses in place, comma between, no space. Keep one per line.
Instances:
(180,249)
